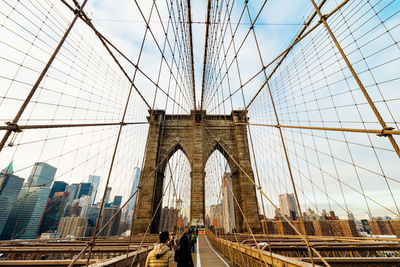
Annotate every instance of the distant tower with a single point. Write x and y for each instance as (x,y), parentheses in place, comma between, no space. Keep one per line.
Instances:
(95,181)
(131,204)
(58,186)
(117,201)
(42,173)
(73,190)
(53,212)
(26,214)
(108,195)
(9,189)
(84,189)
(287,205)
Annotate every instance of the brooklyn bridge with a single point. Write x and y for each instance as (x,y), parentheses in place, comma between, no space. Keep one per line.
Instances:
(268,128)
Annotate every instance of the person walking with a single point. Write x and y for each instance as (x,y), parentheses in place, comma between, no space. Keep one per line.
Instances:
(192,240)
(161,255)
(183,256)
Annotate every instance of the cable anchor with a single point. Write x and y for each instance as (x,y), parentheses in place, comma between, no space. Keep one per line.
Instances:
(15,128)
(382,133)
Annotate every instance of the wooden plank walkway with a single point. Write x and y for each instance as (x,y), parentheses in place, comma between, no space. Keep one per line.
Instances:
(207,256)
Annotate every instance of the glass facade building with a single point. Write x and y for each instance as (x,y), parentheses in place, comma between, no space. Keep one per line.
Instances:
(134,185)
(95,181)
(26,214)
(84,189)
(10,185)
(53,212)
(117,201)
(58,186)
(41,174)
(72,189)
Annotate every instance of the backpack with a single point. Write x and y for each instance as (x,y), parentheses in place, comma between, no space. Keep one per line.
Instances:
(178,254)
(193,239)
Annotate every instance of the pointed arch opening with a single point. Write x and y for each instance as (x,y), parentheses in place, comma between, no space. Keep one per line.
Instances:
(176,191)
(219,199)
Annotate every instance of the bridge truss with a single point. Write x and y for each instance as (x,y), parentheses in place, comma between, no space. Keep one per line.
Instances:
(321,95)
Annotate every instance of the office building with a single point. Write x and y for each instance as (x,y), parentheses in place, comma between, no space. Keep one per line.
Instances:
(92,214)
(73,210)
(95,181)
(26,214)
(133,185)
(84,203)
(84,189)
(73,192)
(41,174)
(112,228)
(117,201)
(10,185)
(287,206)
(108,195)
(58,186)
(53,212)
(228,203)
(72,226)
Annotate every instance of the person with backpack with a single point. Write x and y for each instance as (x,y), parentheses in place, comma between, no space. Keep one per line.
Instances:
(183,256)
(161,255)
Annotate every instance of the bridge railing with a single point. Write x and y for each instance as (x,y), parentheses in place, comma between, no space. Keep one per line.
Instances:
(246,255)
(124,260)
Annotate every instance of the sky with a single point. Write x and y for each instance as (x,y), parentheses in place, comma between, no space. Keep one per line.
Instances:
(312,87)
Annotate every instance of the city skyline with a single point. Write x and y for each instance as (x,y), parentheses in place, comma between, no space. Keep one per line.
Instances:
(30,209)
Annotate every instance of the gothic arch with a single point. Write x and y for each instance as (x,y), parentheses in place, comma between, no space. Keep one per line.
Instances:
(198,135)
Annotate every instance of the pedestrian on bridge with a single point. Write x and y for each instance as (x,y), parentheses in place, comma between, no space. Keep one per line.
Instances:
(183,256)
(161,255)
(192,240)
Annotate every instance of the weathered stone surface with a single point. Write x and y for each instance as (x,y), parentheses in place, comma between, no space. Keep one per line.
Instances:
(198,135)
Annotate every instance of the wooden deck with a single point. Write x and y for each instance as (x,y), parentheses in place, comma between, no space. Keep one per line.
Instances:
(206,255)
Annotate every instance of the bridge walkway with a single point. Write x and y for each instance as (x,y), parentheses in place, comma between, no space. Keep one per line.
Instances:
(207,256)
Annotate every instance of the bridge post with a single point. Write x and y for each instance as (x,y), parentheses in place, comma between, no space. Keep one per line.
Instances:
(150,182)
(197,203)
(245,189)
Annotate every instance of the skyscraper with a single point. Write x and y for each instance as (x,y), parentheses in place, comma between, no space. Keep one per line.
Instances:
(72,226)
(42,173)
(134,185)
(9,189)
(287,206)
(84,189)
(26,214)
(92,214)
(85,204)
(24,219)
(95,181)
(117,201)
(73,191)
(53,212)
(107,196)
(58,186)
(112,228)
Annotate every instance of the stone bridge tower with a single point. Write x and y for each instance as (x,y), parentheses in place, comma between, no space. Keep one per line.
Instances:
(198,135)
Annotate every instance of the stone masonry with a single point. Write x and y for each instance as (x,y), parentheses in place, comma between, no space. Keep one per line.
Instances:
(198,135)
